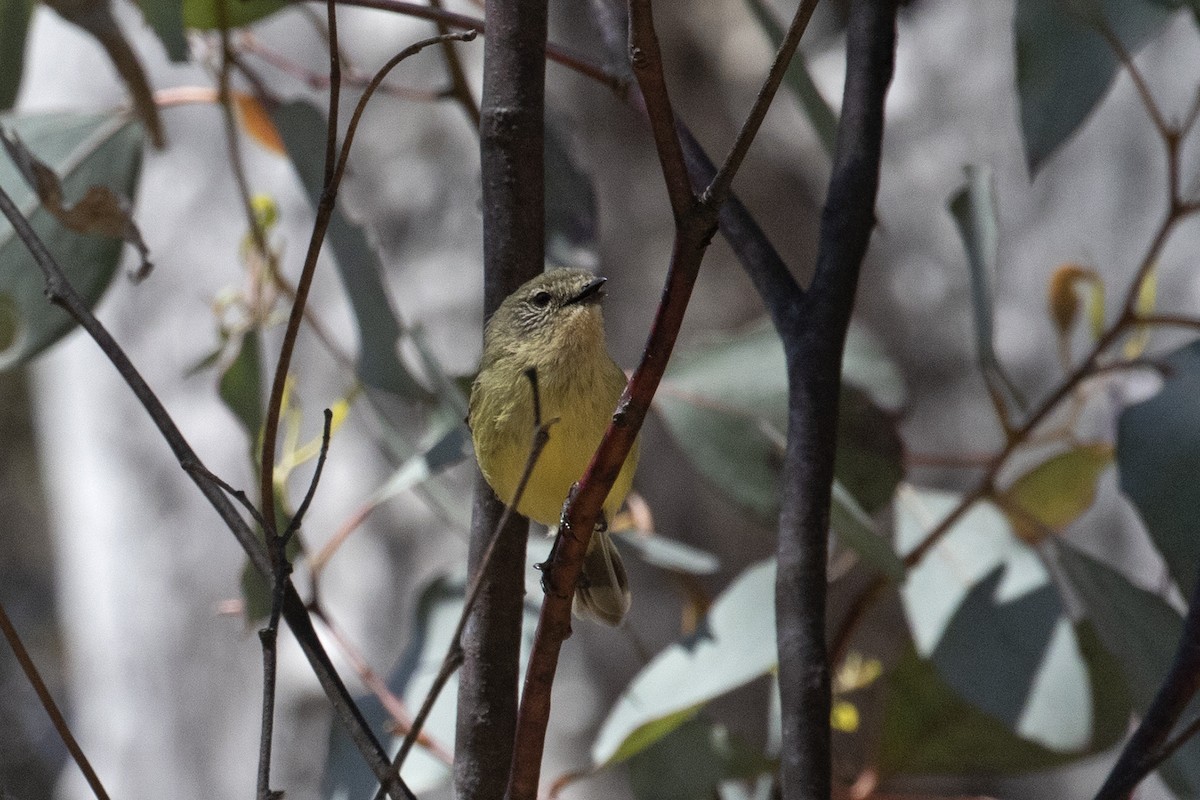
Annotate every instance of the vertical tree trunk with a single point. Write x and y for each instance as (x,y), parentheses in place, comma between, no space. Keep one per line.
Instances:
(511,155)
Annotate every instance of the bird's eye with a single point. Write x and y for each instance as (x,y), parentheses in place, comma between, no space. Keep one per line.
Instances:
(541,299)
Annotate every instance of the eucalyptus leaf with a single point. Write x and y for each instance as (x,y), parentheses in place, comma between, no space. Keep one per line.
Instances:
(974,210)
(1064,66)
(14,28)
(1158,459)
(929,729)
(84,150)
(206,15)
(982,609)
(669,554)
(241,388)
(734,645)
(166,18)
(726,406)
(302,128)
(691,761)
(1142,631)
(1052,495)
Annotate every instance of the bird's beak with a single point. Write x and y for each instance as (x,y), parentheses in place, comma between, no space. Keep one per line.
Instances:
(591,294)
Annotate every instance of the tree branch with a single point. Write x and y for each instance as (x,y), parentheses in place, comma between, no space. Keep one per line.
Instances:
(511,146)
(63,294)
(813,333)
(47,700)
(1141,753)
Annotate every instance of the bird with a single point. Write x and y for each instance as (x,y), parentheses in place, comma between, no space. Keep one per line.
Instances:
(553,324)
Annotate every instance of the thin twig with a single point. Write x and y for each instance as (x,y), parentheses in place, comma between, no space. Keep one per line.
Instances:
(47,700)
(454,654)
(718,190)
(460,88)
(236,494)
(63,294)
(695,225)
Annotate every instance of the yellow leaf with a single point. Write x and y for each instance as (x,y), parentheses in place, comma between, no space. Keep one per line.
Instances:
(1146,299)
(856,673)
(1052,495)
(843,716)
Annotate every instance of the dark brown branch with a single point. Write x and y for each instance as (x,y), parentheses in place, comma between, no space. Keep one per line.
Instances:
(47,700)
(63,294)
(511,149)
(1142,752)
(761,261)
(269,636)
(460,88)
(813,341)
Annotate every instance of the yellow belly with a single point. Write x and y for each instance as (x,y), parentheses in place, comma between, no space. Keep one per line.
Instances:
(503,434)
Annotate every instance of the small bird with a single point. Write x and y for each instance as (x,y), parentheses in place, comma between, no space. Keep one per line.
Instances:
(553,324)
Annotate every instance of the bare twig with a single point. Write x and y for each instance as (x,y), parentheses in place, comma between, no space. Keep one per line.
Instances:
(454,654)
(63,294)
(718,190)
(269,635)
(460,88)
(47,700)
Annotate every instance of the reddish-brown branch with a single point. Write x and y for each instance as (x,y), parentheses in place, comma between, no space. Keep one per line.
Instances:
(51,708)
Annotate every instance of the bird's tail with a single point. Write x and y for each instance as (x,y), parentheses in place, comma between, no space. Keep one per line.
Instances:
(603,591)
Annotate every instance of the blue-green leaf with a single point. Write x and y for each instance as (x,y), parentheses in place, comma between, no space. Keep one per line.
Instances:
(302,128)
(166,18)
(1158,459)
(1142,631)
(83,150)
(981,608)
(14,26)
(734,645)
(726,405)
(691,761)
(1064,65)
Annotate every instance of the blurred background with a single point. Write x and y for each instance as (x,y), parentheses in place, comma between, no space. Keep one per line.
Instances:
(125,585)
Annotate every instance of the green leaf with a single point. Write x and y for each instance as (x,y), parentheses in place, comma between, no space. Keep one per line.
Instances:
(241,388)
(726,406)
(799,81)
(1158,459)
(302,127)
(1064,66)
(869,460)
(981,607)
(205,15)
(669,554)
(691,761)
(974,210)
(1056,492)
(166,18)
(1142,631)
(929,729)
(14,25)
(734,645)
(84,150)
(571,228)
(859,532)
